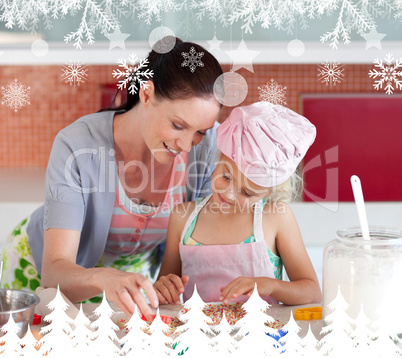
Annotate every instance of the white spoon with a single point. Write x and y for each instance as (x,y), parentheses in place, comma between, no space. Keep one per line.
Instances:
(361,210)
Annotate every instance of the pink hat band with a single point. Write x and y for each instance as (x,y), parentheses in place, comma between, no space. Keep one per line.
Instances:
(266,141)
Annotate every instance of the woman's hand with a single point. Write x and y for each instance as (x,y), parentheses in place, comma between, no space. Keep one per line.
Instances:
(169,288)
(245,286)
(123,288)
(59,268)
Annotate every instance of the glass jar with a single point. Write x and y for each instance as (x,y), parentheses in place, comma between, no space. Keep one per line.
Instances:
(368,273)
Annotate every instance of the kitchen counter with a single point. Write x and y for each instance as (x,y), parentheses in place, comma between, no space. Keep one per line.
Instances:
(279,312)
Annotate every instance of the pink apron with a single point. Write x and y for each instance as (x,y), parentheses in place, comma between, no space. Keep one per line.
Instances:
(214,266)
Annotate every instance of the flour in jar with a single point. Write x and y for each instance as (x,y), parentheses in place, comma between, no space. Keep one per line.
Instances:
(371,281)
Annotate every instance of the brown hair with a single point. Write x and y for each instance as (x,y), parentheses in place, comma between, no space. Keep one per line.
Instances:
(172,81)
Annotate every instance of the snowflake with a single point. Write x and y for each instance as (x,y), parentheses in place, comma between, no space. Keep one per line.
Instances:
(273,93)
(388,74)
(136,72)
(192,59)
(16,95)
(74,73)
(330,73)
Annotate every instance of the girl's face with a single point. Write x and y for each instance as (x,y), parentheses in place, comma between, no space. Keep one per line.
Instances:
(232,189)
(173,126)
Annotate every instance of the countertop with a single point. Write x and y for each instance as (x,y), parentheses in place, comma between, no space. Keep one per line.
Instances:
(279,312)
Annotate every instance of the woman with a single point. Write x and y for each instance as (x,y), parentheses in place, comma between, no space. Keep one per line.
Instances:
(111,182)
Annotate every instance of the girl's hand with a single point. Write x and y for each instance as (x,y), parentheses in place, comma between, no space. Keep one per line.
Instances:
(123,288)
(169,288)
(245,286)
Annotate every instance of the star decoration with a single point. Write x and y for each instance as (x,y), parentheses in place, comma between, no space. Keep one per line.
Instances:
(117,39)
(373,39)
(214,44)
(243,57)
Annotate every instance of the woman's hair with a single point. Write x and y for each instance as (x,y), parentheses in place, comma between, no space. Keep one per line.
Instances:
(172,81)
(288,191)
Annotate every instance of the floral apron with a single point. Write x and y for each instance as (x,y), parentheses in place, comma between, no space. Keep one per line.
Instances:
(19,270)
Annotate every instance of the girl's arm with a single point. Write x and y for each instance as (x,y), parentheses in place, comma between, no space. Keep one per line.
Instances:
(78,283)
(170,285)
(303,287)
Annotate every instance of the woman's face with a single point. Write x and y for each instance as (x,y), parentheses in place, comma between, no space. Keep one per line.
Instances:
(232,190)
(173,126)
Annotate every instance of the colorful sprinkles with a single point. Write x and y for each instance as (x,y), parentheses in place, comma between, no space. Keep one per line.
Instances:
(233,312)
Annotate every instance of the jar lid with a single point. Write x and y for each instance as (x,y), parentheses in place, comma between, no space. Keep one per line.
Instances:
(379,235)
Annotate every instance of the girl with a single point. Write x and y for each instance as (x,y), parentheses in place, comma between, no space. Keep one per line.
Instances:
(244,232)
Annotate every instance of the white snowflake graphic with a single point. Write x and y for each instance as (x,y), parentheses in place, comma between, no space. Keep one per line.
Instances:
(135,74)
(192,59)
(15,95)
(272,92)
(74,73)
(388,74)
(330,73)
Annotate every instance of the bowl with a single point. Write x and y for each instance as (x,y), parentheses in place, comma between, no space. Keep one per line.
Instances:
(21,304)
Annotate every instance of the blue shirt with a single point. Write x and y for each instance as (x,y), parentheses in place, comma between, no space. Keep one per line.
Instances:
(81,179)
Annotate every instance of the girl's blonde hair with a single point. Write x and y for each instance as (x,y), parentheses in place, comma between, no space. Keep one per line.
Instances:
(288,191)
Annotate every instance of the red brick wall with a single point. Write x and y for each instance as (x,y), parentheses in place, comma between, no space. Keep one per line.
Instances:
(26,137)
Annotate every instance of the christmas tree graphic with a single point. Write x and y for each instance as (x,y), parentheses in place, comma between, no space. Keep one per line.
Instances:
(339,325)
(253,330)
(136,342)
(30,345)
(310,345)
(291,341)
(224,344)
(10,341)
(105,342)
(159,343)
(195,333)
(57,334)
(82,335)
(63,337)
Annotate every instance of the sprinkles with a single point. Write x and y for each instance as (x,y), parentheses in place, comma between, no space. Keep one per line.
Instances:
(233,313)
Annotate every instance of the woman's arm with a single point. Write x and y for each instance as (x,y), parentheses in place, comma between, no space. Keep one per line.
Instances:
(303,287)
(170,285)
(79,283)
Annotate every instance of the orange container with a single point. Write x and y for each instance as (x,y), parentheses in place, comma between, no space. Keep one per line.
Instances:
(308,313)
